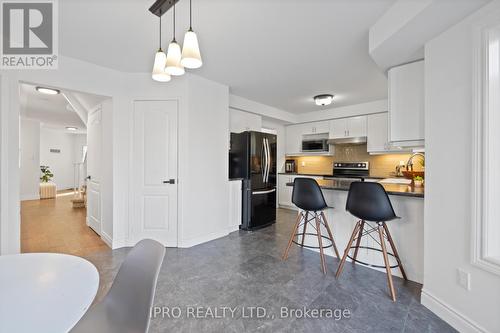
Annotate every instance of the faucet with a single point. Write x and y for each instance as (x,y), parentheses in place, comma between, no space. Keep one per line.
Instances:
(410,160)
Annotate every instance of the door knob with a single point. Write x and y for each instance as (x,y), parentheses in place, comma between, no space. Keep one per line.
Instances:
(170,181)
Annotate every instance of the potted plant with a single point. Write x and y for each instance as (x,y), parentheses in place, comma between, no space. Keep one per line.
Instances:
(418,181)
(46,174)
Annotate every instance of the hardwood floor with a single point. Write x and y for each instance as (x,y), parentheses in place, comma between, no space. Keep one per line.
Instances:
(53,225)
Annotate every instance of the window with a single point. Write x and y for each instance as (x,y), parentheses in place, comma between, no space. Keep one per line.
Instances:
(486,186)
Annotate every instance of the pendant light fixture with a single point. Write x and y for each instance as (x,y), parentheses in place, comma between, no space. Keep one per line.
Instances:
(159,73)
(174,66)
(191,57)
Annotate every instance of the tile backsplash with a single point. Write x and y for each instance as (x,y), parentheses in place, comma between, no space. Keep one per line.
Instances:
(380,165)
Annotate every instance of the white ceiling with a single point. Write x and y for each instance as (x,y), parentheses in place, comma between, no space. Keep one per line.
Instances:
(280,53)
(54,111)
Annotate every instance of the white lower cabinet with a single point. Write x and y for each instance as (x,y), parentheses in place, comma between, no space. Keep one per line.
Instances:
(235,205)
(285,192)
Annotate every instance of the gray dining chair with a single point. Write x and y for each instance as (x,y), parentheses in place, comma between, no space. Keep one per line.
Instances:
(126,307)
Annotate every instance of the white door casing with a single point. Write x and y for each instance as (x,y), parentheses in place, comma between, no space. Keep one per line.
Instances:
(155,172)
(94,157)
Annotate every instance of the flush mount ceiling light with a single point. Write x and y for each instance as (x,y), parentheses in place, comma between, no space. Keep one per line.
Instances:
(191,57)
(71,128)
(174,66)
(159,73)
(47,91)
(322,100)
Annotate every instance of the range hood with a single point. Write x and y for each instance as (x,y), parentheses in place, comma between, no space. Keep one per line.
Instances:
(357,140)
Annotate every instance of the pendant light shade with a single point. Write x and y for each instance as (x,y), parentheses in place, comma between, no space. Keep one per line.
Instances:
(159,73)
(160,62)
(191,57)
(174,66)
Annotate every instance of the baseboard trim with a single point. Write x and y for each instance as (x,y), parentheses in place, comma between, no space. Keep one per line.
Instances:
(456,319)
(202,239)
(119,243)
(26,197)
(233,228)
(107,239)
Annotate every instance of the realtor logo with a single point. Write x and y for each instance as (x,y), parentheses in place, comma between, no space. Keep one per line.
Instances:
(29,34)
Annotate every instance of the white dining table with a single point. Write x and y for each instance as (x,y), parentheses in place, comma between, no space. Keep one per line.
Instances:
(45,292)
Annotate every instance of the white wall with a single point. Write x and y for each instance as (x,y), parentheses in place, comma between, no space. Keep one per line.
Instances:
(203,117)
(243,104)
(79,141)
(9,167)
(204,169)
(344,111)
(240,121)
(107,164)
(30,159)
(61,164)
(448,137)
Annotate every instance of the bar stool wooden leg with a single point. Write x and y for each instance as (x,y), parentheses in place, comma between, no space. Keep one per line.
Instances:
(358,241)
(395,251)
(322,255)
(330,234)
(346,251)
(305,228)
(387,263)
(294,231)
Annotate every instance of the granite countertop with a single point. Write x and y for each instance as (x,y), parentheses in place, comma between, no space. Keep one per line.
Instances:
(303,174)
(392,189)
(330,175)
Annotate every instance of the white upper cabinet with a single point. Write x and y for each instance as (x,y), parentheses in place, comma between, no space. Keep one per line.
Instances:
(295,133)
(356,126)
(317,127)
(240,121)
(294,139)
(377,133)
(406,105)
(348,127)
(338,128)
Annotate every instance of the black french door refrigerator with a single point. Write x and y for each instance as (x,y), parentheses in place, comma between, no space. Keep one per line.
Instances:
(252,157)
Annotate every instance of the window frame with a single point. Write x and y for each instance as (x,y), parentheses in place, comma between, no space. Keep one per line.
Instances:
(481,164)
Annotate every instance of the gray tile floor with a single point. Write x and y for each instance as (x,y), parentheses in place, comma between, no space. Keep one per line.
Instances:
(244,270)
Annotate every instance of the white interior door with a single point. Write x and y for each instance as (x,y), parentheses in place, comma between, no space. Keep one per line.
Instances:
(94,143)
(155,171)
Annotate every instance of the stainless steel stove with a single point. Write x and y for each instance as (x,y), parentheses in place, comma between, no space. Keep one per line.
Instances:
(347,172)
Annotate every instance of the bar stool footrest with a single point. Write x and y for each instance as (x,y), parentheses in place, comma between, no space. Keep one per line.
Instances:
(315,235)
(373,249)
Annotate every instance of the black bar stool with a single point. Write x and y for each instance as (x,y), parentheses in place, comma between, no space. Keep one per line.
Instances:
(370,203)
(307,196)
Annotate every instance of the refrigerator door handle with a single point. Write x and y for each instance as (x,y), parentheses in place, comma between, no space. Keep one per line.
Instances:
(268,160)
(262,167)
(266,154)
(264,180)
(264,192)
